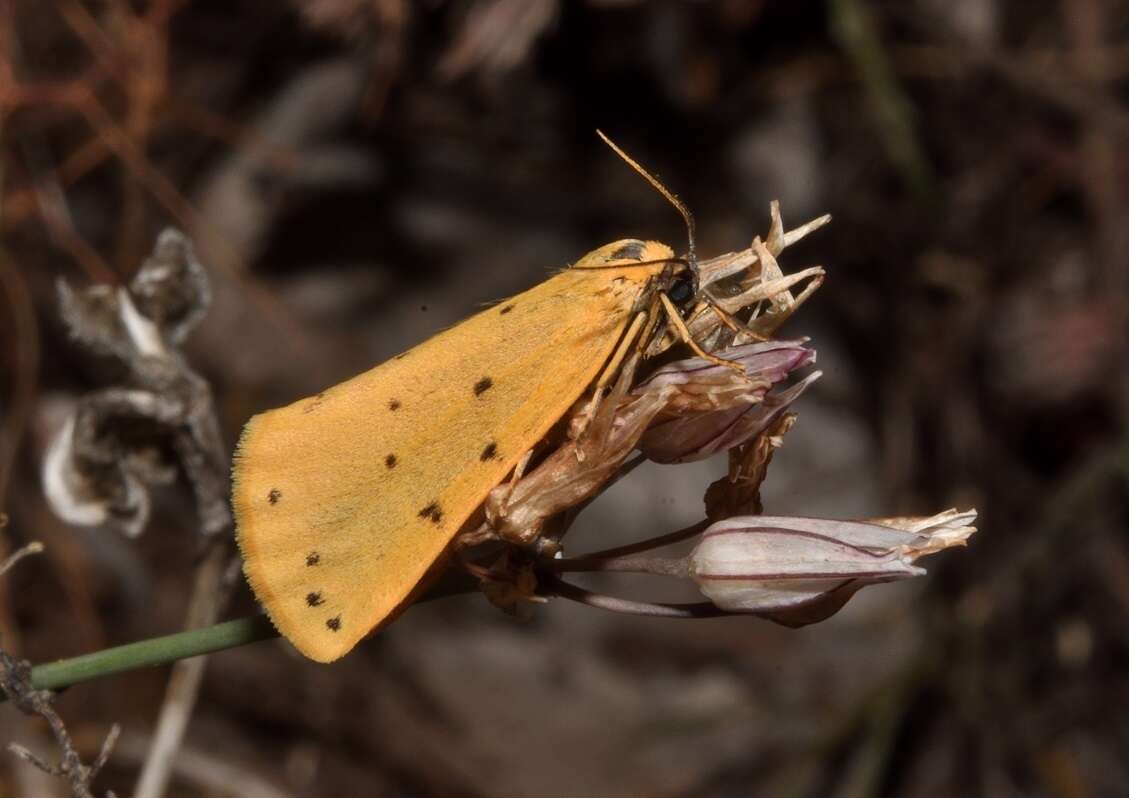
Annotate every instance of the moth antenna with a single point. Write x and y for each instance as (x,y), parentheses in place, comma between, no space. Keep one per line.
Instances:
(692,254)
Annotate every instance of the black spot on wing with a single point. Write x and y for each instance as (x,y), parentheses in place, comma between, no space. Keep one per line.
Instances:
(313,558)
(394,405)
(432,512)
(274,495)
(632,250)
(314,599)
(483,385)
(490,452)
(334,623)
(390,461)
(506,309)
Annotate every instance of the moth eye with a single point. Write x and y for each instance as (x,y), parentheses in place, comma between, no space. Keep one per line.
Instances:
(681,291)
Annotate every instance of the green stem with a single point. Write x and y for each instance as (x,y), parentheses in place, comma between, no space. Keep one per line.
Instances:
(147,653)
(193,643)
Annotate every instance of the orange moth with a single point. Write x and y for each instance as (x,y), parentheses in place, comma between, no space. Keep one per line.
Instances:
(344,500)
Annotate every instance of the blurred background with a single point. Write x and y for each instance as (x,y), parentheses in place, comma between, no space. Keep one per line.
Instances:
(358,174)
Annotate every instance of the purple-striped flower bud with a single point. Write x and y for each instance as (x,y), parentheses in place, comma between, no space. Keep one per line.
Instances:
(801,570)
(712,408)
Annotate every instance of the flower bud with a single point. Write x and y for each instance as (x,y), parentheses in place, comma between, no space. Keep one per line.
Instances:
(711,408)
(801,570)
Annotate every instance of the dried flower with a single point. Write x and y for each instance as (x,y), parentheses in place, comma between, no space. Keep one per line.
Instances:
(738,492)
(711,409)
(121,440)
(801,570)
(685,411)
(577,469)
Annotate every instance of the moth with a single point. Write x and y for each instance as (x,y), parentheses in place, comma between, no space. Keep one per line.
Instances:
(344,500)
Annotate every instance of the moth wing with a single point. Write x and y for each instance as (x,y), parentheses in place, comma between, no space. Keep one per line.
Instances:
(344,500)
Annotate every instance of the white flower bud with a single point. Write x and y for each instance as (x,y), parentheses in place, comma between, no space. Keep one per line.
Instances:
(801,570)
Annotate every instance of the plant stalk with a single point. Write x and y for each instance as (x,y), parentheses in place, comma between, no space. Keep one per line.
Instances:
(149,653)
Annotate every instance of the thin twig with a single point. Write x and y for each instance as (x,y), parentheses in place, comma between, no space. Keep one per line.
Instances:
(208,598)
(202,772)
(16,683)
(698,609)
(663,566)
(35,547)
(647,545)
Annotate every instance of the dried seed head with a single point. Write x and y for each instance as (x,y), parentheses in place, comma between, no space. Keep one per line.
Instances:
(120,440)
(171,287)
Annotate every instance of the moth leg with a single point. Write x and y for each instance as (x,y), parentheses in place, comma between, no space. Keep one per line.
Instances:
(611,369)
(625,344)
(684,334)
(522,464)
(587,417)
(519,472)
(731,321)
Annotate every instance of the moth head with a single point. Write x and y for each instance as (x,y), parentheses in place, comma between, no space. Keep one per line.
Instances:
(639,258)
(680,299)
(682,289)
